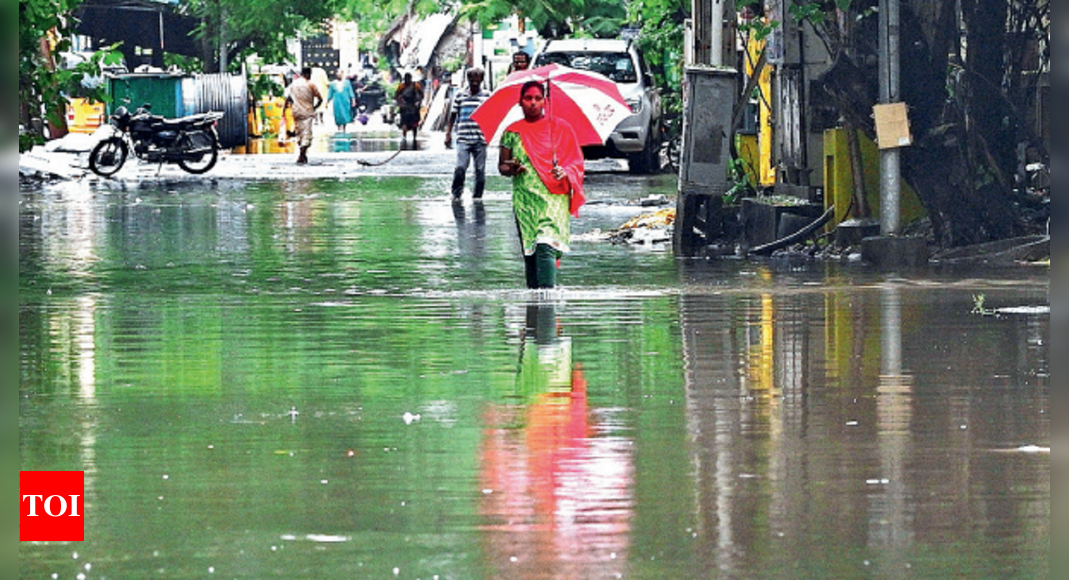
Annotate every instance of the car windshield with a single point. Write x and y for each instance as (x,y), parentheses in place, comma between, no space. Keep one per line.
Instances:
(615,65)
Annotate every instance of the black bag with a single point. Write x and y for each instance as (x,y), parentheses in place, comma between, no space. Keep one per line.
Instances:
(409,96)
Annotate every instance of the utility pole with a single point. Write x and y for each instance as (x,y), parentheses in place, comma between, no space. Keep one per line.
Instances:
(890,249)
(709,98)
(224,54)
(709,17)
(716,33)
(890,168)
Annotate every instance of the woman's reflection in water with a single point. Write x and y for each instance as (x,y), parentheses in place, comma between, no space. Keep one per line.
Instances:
(557,497)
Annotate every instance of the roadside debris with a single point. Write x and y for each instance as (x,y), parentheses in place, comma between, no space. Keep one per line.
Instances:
(38,165)
(651,228)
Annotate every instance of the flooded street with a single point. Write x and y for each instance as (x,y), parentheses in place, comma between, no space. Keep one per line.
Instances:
(344,378)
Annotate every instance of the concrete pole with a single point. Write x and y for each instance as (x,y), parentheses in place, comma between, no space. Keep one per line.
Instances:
(716,33)
(700,10)
(477,58)
(890,169)
(224,38)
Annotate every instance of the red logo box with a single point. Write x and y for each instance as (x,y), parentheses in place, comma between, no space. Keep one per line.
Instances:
(52,506)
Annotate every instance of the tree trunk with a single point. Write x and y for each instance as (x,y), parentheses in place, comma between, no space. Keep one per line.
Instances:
(56,116)
(224,55)
(857,171)
(988,107)
(209,52)
(948,165)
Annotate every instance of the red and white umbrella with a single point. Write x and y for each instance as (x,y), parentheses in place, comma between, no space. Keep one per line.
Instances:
(591,103)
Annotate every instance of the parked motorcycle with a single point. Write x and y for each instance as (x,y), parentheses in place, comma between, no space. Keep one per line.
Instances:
(191,142)
(671,141)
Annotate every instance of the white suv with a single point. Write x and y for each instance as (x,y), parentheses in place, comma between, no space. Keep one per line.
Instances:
(637,137)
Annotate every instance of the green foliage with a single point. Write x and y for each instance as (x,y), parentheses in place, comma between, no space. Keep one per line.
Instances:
(817,12)
(979,306)
(759,28)
(375,17)
(553,18)
(486,12)
(264,85)
(738,170)
(812,12)
(45,27)
(39,85)
(453,64)
(661,42)
(190,64)
(604,19)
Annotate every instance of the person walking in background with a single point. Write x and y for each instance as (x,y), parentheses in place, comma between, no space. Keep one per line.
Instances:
(520,61)
(342,101)
(545,162)
(470,144)
(409,97)
(304,98)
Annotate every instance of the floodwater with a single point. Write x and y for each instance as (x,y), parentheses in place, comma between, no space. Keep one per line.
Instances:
(345,379)
(351,142)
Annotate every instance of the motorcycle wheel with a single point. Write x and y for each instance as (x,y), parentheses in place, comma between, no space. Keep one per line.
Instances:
(202,163)
(108,157)
(675,150)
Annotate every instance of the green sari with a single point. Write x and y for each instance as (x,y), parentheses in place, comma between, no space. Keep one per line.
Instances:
(543,217)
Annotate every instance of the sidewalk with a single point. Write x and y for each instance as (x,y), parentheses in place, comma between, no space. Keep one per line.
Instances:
(371,149)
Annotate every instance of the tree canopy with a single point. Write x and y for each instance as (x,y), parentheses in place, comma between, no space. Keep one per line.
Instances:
(552,19)
(232,29)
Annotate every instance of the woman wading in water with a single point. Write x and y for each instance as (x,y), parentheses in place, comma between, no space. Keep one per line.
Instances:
(545,162)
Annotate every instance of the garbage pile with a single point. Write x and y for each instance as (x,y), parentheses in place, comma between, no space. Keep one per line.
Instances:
(646,229)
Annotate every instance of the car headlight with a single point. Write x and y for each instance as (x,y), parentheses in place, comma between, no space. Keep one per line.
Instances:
(636,105)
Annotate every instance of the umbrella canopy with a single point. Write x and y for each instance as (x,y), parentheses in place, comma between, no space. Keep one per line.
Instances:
(591,103)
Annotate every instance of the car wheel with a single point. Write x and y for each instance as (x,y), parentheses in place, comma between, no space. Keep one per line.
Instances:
(646,161)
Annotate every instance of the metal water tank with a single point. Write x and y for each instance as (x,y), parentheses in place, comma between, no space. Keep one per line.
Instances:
(161,91)
(220,92)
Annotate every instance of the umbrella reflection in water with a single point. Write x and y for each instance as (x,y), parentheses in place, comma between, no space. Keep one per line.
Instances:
(557,500)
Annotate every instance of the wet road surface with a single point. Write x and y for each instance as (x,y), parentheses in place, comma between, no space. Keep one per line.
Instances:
(344,378)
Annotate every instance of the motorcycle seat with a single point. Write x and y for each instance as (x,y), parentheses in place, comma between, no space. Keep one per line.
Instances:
(190,120)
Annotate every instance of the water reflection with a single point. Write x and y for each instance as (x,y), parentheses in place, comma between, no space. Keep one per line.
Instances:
(890,526)
(471,231)
(362,142)
(266,146)
(300,213)
(785,415)
(557,498)
(748,422)
(67,238)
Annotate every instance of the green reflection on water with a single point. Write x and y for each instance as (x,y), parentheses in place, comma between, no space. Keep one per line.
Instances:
(337,379)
